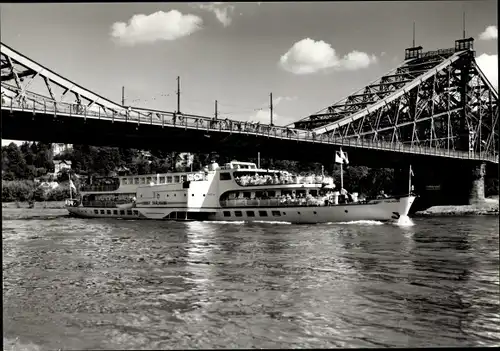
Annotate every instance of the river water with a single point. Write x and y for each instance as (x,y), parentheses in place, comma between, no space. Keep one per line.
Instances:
(113,284)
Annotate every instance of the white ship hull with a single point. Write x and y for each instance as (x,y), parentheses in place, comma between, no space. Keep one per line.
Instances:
(389,209)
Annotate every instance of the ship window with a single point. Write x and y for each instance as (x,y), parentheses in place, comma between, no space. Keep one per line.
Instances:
(125,181)
(284,213)
(276,213)
(263,213)
(108,212)
(102,211)
(162,180)
(148,180)
(298,212)
(136,213)
(225,176)
(192,194)
(169,179)
(246,194)
(129,212)
(115,212)
(143,180)
(238,213)
(313,192)
(175,194)
(250,214)
(315,212)
(176,179)
(122,212)
(227,213)
(203,194)
(136,180)
(271,193)
(96,211)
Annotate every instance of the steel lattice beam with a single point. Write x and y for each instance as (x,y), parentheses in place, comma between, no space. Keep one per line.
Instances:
(448,105)
(16,67)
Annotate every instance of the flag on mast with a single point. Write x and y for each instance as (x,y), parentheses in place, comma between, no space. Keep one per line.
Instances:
(341,157)
(411,172)
(71,185)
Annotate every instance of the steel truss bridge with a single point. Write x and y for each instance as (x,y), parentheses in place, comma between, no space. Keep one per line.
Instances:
(437,104)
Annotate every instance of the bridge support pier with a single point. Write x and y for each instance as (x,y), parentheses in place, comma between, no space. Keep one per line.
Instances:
(476,193)
(449,184)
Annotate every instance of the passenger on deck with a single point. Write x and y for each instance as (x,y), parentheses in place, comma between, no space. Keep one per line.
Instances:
(382,194)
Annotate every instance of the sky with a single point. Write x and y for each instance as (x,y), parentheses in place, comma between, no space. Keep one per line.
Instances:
(307,54)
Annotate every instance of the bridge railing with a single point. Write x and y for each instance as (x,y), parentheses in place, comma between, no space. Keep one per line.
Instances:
(232,126)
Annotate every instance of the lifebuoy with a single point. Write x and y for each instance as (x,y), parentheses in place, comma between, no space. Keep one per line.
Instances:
(190,176)
(197,177)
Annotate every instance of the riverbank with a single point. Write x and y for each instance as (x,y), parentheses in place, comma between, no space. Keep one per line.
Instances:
(42,210)
(488,207)
(38,205)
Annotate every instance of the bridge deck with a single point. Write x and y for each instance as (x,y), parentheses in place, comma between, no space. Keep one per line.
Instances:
(231,127)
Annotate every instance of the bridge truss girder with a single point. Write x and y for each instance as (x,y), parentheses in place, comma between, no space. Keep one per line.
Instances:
(455,109)
(32,84)
(440,100)
(376,91)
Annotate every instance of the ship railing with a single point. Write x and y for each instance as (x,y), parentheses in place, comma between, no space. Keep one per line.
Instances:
(107,187)
(35,103)
(104,204)
(293,180)
(270,203)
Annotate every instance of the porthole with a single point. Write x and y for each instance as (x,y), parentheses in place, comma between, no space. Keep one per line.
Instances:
(315,212)
(298,212)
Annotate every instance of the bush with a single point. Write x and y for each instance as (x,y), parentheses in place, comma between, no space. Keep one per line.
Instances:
(40,194)
(60,193)
(18,190)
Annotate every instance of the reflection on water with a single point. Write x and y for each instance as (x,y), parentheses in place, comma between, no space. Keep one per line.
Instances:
(101,284)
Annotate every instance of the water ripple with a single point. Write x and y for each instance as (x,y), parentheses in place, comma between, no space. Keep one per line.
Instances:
(105,284)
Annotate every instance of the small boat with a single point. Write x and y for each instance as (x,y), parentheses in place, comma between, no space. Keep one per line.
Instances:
(125,206)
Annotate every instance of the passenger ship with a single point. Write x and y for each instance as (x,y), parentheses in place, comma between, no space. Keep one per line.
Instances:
(239,191)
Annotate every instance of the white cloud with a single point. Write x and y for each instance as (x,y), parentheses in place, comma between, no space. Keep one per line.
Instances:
(357,60)
(489,33)
(489,65)
(310,56)
(156,26)
(264,117)
(221,11)
(279,99)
